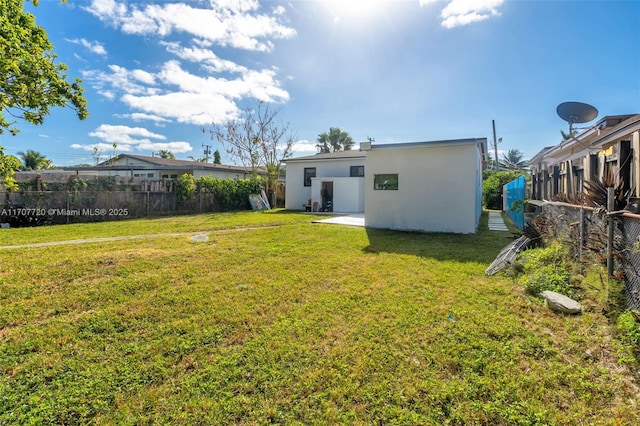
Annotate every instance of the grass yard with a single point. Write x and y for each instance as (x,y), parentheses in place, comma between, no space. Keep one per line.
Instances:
(278,320)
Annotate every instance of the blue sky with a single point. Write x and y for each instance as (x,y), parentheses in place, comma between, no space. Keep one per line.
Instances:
(156,72)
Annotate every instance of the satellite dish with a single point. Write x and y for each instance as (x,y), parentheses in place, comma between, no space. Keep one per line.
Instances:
(576,112)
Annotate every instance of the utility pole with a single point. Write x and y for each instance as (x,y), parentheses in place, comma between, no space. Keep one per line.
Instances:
(495,144)
(207,152)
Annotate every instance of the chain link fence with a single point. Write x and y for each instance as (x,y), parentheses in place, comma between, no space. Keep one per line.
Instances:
(585,231)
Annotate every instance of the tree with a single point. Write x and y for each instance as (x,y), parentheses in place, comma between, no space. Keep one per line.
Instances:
(216,157)
(492,187)
(335,140)
(513,160)
(258,139)
(33,160)
(31,82)
(9,165)
(165,153)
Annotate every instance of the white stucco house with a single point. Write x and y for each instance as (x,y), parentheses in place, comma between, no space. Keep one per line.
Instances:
(433,186)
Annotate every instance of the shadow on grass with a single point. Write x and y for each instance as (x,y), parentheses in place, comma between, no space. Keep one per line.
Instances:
(481,247)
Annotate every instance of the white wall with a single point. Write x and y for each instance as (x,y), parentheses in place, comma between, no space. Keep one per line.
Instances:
(437,188)
(297,195)
(222,174)
(348,193)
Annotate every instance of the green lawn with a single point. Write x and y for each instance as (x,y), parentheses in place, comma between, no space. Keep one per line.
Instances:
(278,320)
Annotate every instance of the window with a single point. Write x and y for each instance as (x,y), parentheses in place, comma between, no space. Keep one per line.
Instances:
(357,171)
(149,175)
(165,176)
(385,182)
(174,176)
(309,172)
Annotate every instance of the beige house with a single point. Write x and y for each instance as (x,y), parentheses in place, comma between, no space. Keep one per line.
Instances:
(138,167)
(612,145)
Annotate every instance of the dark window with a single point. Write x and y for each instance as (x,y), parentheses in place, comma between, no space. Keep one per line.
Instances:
(309,172)
(165,176)
(174,176)
(150,175)
(357,171)
(385,182)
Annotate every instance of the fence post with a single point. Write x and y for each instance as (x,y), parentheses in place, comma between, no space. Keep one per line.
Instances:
(148,206)
(610,207)
(582,242)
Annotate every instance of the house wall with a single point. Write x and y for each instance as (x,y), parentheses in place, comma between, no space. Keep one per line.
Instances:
(348,193)
(438,189)
(297,195)
(222,174)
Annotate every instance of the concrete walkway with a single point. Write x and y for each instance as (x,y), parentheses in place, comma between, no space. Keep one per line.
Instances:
(356,219)
(496,223)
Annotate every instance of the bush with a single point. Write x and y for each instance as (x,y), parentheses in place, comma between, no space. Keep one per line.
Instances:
(185,186)
(629,331)
(492,187)
(232,194)
(546,269)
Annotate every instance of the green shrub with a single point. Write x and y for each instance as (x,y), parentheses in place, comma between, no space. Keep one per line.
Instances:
(546,269)
(231,194)
(492,187)
(185,186)
(629,332)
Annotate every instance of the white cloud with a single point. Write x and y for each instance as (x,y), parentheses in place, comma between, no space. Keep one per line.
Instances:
(212,62)
(279,10)
(175,147)
(130,139)
(426,2)
(124,134)
(464,12)
(120,79)
(93,46)
(186,97)
(304,147)
(235,23)
(139,116)
(101,147)
(173,91)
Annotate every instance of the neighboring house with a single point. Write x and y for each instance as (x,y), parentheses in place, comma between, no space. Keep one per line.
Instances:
(612,145)
(139,167)
(431,186)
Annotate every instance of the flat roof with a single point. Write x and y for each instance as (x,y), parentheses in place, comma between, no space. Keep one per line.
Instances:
(429,143)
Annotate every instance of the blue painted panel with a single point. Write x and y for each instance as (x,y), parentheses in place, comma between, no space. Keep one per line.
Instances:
(514,193)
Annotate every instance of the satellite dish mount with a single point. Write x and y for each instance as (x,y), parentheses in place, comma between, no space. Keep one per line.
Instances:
(576,112)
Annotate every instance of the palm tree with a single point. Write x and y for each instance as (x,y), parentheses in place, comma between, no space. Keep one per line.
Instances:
(567,136)
(165,153)
(33,160)
(513,159)
(336,140)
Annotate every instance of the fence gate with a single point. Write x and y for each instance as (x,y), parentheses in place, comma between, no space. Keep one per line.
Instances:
(513,195)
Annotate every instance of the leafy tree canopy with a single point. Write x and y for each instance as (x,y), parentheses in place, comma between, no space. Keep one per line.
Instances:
(8,166)
(30,79)
(336,140)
